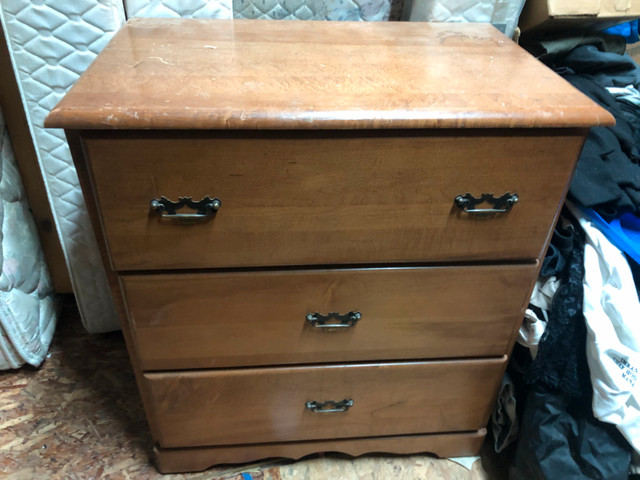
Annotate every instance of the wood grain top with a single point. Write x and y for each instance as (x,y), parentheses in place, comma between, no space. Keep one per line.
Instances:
(237,74)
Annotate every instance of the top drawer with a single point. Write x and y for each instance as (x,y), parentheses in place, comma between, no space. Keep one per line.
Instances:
(302,198)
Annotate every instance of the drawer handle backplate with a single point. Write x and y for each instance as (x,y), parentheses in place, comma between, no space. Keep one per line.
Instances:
(205,208)
(344,321)
(501,204)
(329,406)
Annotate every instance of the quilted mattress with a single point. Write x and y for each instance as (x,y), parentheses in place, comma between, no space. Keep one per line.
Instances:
(502,14)
(354,10)
(27,304)
(52,42)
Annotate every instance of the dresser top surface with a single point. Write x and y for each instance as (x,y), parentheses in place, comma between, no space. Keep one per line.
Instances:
(264,74)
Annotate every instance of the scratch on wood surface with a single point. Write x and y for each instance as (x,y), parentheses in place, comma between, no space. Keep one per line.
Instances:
(486,69)
(162,60)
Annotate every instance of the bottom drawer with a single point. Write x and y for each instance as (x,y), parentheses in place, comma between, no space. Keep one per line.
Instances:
(191,459)
(260,405)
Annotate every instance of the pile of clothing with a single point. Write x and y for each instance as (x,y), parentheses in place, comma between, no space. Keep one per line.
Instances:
(569,405)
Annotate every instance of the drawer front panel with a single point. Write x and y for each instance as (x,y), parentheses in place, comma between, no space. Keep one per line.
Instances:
(259,318)
(270,405)
(326,199)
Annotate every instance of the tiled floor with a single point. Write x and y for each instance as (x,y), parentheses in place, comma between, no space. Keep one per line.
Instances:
(79,416)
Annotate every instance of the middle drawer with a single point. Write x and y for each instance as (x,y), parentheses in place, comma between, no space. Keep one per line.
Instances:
(210,320)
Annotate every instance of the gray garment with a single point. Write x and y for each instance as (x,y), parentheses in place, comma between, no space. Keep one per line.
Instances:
(533,326)
(504,422)
(562,43)
(595,55)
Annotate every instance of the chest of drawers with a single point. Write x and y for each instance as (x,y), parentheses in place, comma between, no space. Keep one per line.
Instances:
(293,218)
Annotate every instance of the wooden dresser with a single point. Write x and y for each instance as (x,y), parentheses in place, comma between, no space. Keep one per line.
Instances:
(320,236)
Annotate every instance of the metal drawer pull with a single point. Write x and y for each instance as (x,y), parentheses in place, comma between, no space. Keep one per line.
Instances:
(204,208)
(501,204)
(329,406)
(347,320)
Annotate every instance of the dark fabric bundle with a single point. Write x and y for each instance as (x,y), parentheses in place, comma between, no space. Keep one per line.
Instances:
(560,438)
(608,174)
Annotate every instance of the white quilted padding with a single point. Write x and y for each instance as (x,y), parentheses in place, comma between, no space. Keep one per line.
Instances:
(27,305)
(278,9)
(178,8)
(52,43)
(355,10)
(503,14)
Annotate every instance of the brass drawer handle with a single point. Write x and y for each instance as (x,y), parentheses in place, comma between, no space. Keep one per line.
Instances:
(329,406)
(501,204)
(204,208)
(345,321)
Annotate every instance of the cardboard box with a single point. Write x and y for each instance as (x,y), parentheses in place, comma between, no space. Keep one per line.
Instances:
(562,14)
